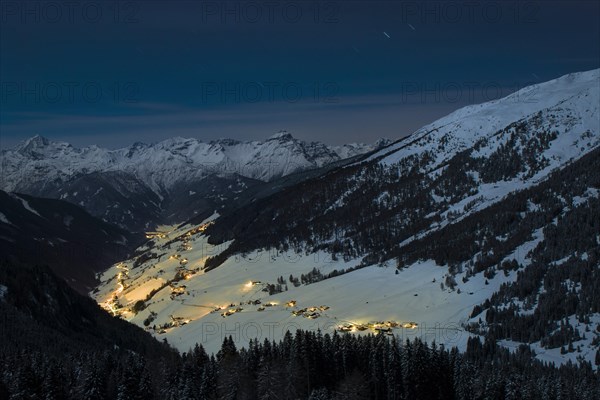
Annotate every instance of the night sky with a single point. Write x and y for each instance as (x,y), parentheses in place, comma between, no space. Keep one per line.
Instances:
(113,73)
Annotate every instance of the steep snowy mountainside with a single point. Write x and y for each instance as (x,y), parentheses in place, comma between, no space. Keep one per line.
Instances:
(435,292)
(114,196)
(445,240)
(429,179)
(574,96)
(251,294)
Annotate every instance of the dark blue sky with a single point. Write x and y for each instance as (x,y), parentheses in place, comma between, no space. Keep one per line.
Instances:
(112,73)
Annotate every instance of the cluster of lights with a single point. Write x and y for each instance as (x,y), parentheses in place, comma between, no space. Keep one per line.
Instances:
(377,326)
(231,311)
(153,235)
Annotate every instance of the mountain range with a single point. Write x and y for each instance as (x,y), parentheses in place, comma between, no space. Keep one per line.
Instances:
(167,182)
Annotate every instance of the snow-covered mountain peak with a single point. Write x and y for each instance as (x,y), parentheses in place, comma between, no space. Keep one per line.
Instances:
(575,95)
(36,140)
(382,142)
(282,135)
(33,143)
(38,147)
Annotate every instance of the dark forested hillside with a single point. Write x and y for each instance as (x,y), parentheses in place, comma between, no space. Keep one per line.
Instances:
(306,365)
(39,311)
(74,244)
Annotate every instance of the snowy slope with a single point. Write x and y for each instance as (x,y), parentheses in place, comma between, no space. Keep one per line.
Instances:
(575,94)
(437,177)
(454,170)
(366,295)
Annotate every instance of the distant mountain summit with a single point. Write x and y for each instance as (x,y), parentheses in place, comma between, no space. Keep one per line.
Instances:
(32,143)
(134,186)
(282,135)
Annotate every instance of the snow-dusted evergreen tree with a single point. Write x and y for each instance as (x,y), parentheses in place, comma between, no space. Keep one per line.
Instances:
(352,387)
(25,385)
(208,385)
(270,380)
(53,386)
(464,375)
(319,394)
(393,370)
(297,371)
(145,389)
(127,387)
(93,385)
(228,379)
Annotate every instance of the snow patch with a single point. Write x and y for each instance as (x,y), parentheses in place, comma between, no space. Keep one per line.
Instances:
(26,205)
(5,220)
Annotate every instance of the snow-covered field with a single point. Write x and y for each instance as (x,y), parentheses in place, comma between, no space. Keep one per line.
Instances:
(194,306)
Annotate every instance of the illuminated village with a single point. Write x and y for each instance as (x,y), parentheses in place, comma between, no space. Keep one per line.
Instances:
(126,301)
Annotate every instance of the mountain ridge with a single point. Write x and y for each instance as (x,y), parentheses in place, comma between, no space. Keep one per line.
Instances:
(137,187)
(219,155)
